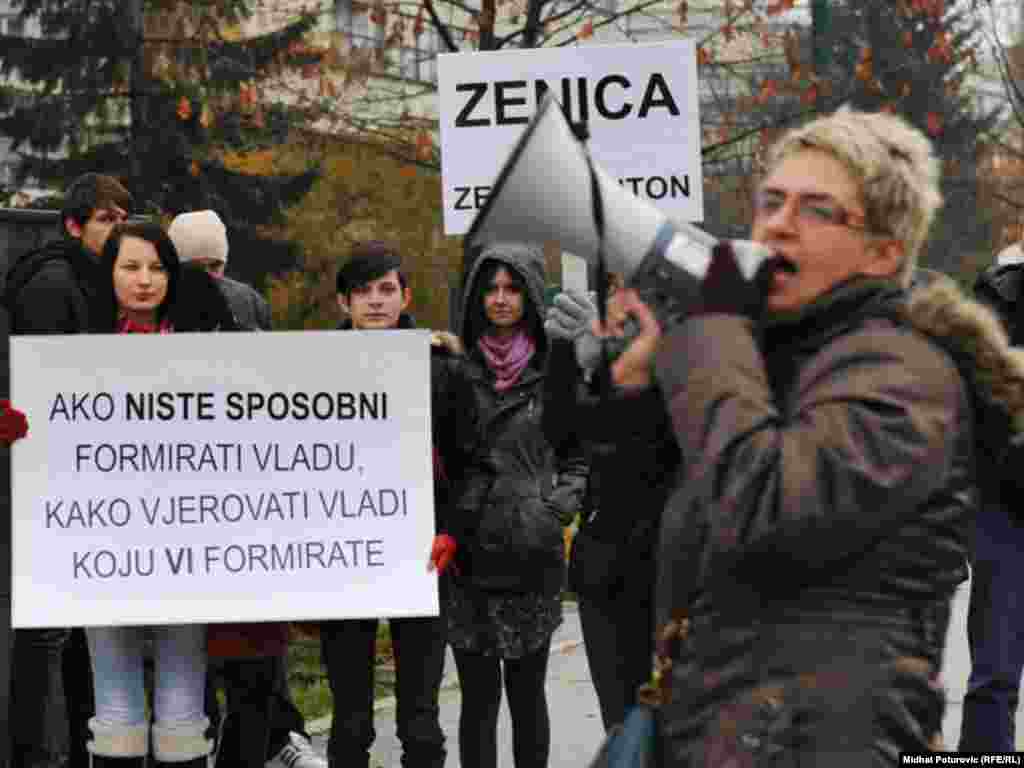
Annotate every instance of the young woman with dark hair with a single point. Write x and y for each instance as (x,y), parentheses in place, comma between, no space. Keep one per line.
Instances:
(513,497)
(140,279)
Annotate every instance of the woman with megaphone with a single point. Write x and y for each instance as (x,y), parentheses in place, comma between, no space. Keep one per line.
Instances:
(827,422)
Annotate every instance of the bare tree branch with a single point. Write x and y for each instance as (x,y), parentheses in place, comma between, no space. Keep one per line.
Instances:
(441,27)
(612,19)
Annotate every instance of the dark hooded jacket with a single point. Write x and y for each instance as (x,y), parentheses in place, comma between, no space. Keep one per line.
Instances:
(999,287)
(810,553)
(51,289)
(250,309)
(513,494)
(633,459)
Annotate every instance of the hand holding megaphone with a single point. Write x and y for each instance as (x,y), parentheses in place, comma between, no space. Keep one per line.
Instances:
(735,281)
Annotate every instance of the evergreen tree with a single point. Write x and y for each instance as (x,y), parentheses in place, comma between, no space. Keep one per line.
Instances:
(911,57)
(155,93)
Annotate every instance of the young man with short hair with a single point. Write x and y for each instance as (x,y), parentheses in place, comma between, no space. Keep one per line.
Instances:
(48,291)
(373,291)
(262,725)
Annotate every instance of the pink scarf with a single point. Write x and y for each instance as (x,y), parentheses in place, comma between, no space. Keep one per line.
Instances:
(507,356)
(125,325)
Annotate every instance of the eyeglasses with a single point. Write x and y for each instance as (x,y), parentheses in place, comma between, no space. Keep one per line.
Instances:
(812,210)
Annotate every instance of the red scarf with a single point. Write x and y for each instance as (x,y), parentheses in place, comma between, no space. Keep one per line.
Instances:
(127,325)
(507,356)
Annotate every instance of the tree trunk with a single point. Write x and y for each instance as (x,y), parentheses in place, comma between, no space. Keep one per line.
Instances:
(819,34)
(488,17)
(532,29)
(139,94)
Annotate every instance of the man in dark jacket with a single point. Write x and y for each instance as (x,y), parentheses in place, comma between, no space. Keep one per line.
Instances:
(372,290)
(262,723)
(49,291)
(632,463)
(995,622)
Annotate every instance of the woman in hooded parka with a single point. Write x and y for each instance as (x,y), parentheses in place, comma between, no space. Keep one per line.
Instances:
(512,500)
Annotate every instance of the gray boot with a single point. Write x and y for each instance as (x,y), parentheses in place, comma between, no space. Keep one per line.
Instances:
(101,761)
(118,746)
(182,746)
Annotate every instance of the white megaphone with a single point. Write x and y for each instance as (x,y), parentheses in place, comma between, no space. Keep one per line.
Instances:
(551,190)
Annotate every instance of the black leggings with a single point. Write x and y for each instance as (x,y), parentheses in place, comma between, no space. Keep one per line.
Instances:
(480,680)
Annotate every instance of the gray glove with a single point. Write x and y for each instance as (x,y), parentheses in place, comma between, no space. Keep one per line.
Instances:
(570,318)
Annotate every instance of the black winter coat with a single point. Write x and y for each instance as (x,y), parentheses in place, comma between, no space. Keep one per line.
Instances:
(51,290)
(443,413)
(633,459)
(513,494)
(999,287)
(509,532)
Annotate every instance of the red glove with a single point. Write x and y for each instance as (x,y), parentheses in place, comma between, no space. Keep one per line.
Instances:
(13,423)
(442,553)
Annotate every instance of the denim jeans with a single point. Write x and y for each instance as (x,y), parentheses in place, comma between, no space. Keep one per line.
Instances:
(995,634)
(179,653)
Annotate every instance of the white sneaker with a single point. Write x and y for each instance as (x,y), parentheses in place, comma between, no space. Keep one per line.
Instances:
(297,753)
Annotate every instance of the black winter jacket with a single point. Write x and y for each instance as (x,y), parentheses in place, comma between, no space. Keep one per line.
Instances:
(251,310)
(513,494)
(50,290)
(633,459)
(47,291)
(999,287)
(443,408)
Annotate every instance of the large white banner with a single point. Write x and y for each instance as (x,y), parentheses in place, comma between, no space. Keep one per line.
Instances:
(222,477)
(639,103)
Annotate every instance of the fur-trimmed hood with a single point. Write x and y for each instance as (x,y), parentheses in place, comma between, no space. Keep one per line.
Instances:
(976,337)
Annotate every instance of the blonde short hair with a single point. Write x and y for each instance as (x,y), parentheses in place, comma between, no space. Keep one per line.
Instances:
(893,162)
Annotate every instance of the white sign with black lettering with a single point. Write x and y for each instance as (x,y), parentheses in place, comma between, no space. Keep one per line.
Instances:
(222,477)
(639,103)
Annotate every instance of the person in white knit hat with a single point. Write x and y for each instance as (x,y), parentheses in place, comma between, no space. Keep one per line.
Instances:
(262,726)
(201,239)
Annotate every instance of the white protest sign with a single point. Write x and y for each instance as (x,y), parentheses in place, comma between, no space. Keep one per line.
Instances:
(639,103)
(221,477)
